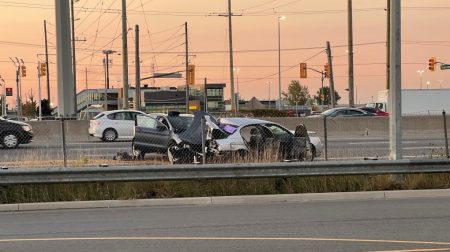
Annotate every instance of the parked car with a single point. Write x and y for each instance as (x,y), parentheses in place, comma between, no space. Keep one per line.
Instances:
(344,112)
(374,111)
(154,132)
(13,133)
(115,124)
(246,132)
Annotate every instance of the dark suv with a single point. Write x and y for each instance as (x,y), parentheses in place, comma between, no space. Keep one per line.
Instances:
(13,133)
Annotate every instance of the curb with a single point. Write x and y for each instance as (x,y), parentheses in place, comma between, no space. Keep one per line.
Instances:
(229,200)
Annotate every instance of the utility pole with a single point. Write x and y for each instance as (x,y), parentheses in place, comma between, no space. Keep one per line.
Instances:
(395,80)
(137,95)
(125,55)
(106,62)
(230,36)
(351,100)
(3,97)
(46,62)
(330,69)
(388,38)
(74,62)
(17,66)
(39,91)
(86,77)
(187,65)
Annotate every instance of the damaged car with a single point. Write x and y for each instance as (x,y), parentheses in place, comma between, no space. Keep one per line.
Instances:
(266,140)
(154,132)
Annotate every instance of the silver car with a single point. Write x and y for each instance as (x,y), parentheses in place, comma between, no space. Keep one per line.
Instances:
(246,132)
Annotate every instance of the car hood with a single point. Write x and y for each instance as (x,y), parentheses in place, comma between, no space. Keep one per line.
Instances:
(193,134)
(19,123)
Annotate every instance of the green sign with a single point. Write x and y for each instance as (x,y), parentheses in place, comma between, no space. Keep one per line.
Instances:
(445,66)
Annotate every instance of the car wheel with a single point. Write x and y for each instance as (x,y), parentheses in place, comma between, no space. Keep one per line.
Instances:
(311,154)
(137,152)
(170,153)
(109,135)
(10,140)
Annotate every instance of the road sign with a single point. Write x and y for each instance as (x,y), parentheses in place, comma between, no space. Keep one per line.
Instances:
(445,66)
(9,91)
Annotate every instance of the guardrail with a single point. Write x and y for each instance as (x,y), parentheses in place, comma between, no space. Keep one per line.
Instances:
(16,176)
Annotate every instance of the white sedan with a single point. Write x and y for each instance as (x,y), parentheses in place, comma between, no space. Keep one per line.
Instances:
(115,124)
(242,130)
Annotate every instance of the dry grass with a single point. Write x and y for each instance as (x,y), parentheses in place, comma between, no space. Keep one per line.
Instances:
(144,190)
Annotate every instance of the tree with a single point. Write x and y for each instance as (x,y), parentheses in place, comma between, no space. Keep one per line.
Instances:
(326,96)
(29,108)
(297,94)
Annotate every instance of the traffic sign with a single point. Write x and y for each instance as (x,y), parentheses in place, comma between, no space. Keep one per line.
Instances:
(9,91)
(445,66)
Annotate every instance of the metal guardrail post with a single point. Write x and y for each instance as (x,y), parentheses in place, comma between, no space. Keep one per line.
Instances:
(445,133)
(325,144)
(63,134)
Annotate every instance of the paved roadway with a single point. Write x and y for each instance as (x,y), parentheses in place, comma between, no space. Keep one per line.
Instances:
(357,225)
(338,148)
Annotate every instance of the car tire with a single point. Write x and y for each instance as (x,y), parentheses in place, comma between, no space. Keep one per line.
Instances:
(170,156)
(109,135)
(10,140)
(311,154)
(138,153)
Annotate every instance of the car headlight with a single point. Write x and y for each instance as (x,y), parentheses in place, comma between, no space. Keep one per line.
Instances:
(26,128)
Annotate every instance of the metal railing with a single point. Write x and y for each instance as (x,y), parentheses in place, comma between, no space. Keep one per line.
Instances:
(16,176)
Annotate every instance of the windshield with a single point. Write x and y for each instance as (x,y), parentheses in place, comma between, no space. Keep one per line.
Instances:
(180,122)
(98,116)
(329,112)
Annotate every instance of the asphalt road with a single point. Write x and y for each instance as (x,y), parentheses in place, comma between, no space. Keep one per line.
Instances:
(357,225)
(338,148)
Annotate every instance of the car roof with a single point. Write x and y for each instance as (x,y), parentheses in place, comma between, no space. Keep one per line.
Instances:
(242,121)
(121,110)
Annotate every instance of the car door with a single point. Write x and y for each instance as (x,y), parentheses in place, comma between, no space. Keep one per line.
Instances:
(121,124)
(152,134)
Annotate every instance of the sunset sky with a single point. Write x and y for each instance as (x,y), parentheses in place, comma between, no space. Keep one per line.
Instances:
(304,32)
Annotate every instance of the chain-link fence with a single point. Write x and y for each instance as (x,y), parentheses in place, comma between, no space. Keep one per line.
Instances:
(136,138)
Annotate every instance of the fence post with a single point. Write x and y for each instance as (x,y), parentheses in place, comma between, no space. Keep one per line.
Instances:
(63,134)
(325,144)
(203,140)
(445,133)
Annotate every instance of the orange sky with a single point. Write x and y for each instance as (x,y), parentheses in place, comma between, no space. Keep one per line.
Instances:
(309,23)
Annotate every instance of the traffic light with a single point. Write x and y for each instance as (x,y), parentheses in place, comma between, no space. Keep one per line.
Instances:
(432,64)
(23,70)
(43,69)
(325,70)
(303,72)
(191,74)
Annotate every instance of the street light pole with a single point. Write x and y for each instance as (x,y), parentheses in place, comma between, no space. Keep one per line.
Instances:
(237,88)
(279,61)
(268,84)
(3,97)
(420,72)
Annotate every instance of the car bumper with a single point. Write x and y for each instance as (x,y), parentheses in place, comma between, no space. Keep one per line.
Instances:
(26,137)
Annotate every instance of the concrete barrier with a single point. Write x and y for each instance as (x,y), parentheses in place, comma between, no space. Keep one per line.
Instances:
(412,126)
(76,130)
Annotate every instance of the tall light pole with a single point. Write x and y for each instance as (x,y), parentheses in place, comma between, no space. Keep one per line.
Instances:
(4,96)
(106,61)
(279,61)
(428,84)
(420,72)
(237,87)
(268,84)
(124,55)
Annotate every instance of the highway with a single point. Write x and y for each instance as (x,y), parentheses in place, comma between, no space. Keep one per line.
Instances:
(421,224)
(338,149)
